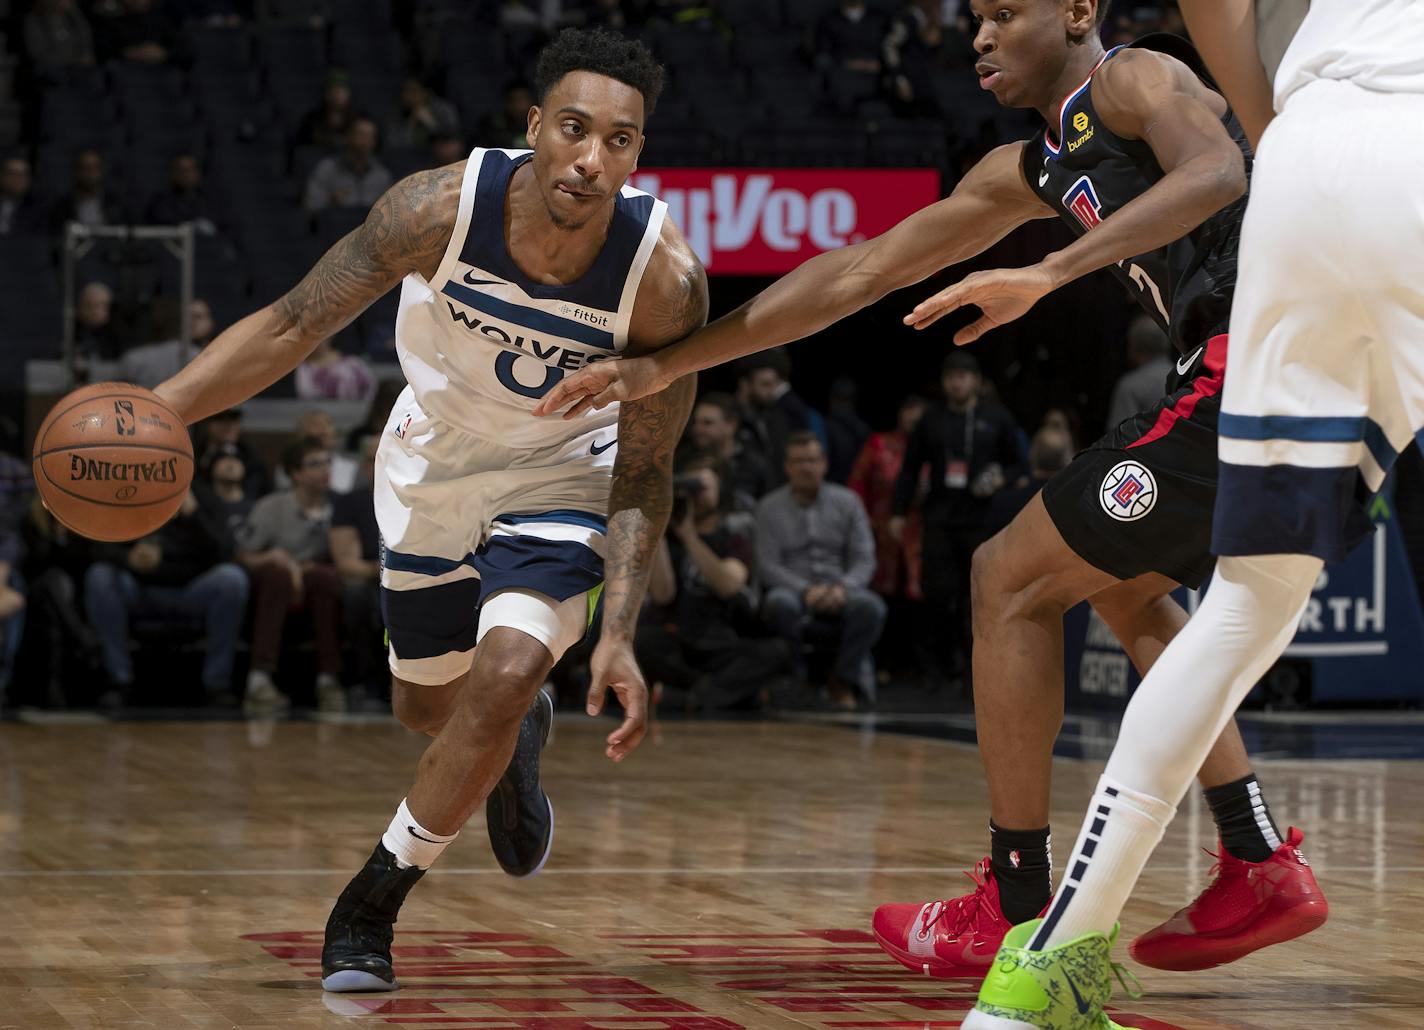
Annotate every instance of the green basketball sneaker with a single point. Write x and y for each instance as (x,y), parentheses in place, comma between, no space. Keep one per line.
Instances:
(1064,988)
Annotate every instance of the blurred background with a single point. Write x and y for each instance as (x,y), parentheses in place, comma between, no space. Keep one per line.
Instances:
(169,166)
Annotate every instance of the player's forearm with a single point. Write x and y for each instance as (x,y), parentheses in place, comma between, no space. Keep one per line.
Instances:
(640,500)
(1225,34)
(1182,200)
(244,360)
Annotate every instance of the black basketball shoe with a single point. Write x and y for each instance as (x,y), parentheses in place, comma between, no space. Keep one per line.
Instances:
(519,815)
(357,952)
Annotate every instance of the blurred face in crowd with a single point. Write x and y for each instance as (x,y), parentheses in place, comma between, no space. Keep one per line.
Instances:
(712,430)
(446,150)
(228,471)
(318,425)
(224,429)
(910,413)
(763,386)
(200,321)
(805,467)
(709,498)
(1056,418)
(586,138)
(185,174)
(95,305)
(15,178)
(413,94)
(336,95)
(960,386)
(517,102)
(314,476)
(361,138)
(1024,45)
(89,171)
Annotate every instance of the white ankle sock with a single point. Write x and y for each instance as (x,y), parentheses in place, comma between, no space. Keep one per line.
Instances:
(411,843)
(1123,828)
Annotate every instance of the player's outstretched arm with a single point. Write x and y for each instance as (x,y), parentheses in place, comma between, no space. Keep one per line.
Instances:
(1225,33)
(988,203)
(672,302)
(407,230)
(1138,95)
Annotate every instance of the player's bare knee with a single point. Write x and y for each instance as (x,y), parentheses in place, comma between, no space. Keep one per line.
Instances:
(423,709)
(504,686)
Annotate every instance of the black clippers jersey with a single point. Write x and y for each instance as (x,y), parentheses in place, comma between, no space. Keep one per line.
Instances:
(1185,286)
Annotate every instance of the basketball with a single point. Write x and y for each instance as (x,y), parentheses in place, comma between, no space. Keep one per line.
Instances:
(112,461)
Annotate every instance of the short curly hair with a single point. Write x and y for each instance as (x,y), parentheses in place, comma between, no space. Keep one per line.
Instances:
(603,53)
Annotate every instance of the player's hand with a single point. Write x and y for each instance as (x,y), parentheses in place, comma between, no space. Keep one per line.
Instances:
(1002,296)
(613,665)
(601,384)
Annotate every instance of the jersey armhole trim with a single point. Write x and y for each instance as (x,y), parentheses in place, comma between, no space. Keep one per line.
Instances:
(462,218)
(652,234)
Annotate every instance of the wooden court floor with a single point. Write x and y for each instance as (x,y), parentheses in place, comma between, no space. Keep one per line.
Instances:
(179,875)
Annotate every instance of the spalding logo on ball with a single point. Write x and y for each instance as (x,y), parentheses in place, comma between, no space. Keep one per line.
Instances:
(1128,491)
(113,462)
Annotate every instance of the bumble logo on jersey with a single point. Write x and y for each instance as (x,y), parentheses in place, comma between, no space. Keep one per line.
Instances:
(1080,125)
(1080,121)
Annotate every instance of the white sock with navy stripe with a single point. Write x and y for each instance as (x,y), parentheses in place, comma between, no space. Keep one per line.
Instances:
(1122,829)
(413,844)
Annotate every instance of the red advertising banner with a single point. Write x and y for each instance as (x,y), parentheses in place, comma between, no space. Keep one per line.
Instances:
(766,221)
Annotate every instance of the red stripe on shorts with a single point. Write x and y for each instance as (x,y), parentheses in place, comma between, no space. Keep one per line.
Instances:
(1206,385)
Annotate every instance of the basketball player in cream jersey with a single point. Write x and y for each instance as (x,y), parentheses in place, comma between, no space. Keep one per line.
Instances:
(501,533)
(1325,386)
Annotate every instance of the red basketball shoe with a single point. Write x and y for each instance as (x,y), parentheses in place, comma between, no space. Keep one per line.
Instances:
(958,937)
(1250,905)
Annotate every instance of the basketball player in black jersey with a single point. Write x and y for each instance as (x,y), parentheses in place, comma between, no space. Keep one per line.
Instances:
(1148,166)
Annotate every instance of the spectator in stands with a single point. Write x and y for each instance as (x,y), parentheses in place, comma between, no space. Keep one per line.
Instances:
(327,125)
(313,13)
(703,571)
(851,37)
(606,13)
(151,363)
(55,563)
(226,474)
(1050,452)
(220,14)
(771,409)
(329,375)
(16,496)
(1065,419)
(316,424)
(94,334)
(446,149)
(920,43)
(422,116)
(223,432)
(876,471)
(846,431)
(712,432)
(181,573)
(141,33)
(57,39)
(355,543)
(510,126)
(286,549)
(88,203)
(972,450)
(817,556)
(352,178)
(1149,363)
(184,200)
(19,214)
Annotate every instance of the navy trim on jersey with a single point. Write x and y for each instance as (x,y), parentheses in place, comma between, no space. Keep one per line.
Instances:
(485,247)
(1312,429)
(530,318)
(564,516)
(432,621)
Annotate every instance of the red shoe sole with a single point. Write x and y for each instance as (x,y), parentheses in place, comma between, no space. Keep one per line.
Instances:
(1186,954)
(918,964)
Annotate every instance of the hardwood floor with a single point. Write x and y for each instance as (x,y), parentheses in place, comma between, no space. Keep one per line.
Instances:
(178,876)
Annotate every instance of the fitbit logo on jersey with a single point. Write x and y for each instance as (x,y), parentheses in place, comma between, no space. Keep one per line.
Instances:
(766,221)
(165,471)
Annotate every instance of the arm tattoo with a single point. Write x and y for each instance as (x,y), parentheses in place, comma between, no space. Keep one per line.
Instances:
(406,230)
(648,431)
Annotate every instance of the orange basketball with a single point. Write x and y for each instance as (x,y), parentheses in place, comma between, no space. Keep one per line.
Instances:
(113,462)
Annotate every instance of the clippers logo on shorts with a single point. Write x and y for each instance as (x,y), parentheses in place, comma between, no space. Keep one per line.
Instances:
(1082,200)
(1128,491)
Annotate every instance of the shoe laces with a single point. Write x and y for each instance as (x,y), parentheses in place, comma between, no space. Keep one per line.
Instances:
(967,910)
(1134,989)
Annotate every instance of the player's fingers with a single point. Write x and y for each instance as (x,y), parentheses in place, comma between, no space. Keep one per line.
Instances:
(973,330)
(930,311)
(564,391)
(596,692)
(626,738)
(585,404)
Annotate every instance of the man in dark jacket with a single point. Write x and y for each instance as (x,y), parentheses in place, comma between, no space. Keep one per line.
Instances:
(183,572)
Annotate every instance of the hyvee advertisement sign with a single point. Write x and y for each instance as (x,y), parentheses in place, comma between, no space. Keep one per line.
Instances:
(766,221)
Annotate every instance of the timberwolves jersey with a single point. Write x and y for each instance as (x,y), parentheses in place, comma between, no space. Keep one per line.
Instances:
(1087,173)
(482,342)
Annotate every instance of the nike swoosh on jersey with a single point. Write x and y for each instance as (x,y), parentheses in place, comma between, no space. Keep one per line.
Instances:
(482,282)
(1185,363)
(593,448)
(1043,177)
